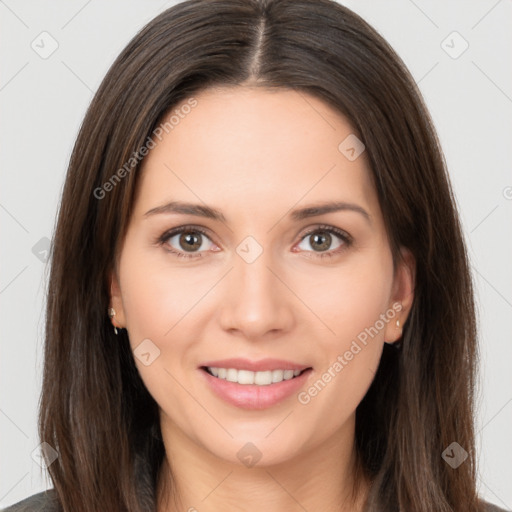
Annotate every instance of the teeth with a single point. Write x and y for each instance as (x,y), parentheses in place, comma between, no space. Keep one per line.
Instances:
(247,377)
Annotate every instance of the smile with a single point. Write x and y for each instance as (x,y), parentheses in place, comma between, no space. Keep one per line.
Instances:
(254,390)
(245,377)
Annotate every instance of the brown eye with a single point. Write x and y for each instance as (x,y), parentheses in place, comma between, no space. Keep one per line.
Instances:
(186,242)
(190,241)
(321,240)
(325,241)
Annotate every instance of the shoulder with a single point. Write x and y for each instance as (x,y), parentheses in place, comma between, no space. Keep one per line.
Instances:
(489,507)
(46,501)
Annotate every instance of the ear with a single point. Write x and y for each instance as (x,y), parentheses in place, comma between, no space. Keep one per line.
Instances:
(402,295)
(116,301)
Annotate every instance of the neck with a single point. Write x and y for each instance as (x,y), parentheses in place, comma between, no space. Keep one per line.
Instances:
(328,477)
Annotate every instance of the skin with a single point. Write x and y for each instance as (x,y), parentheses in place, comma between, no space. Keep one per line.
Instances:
(257,154)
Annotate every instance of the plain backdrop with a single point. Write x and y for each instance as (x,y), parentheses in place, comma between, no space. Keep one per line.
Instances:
(53,57)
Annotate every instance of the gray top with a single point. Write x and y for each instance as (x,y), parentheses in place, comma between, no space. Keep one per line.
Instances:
(47,501)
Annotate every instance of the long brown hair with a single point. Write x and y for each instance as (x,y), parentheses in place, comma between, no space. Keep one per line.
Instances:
(95,409)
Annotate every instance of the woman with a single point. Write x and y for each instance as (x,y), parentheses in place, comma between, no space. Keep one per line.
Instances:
(259,296)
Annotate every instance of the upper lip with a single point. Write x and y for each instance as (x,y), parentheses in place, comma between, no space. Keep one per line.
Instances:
(256,366)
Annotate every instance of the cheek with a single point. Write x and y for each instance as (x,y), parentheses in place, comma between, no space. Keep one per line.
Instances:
(165,305)
(353,297)
(155,302)
(352,308)
(156,295)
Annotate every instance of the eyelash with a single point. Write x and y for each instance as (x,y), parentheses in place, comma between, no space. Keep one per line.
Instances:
(347,240)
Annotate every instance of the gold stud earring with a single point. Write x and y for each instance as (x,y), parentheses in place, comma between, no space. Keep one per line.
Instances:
(112,314)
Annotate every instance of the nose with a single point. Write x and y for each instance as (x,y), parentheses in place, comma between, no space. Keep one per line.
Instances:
(255,302)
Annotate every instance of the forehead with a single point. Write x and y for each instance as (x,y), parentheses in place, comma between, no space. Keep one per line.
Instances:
(254,149)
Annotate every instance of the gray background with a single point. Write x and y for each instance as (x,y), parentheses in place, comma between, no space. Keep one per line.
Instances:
(43,101)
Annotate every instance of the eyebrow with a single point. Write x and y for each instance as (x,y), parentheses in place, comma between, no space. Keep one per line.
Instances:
(209,212)
(188,209)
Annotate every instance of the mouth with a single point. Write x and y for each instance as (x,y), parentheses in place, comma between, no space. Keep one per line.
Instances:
(258,378)
(255,390)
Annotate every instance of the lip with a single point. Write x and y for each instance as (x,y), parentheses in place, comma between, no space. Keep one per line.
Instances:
(256,366)
(252,396)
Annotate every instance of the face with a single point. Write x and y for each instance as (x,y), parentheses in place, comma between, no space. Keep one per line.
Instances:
(267,275)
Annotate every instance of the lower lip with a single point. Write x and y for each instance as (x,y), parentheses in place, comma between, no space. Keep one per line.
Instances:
(252,396)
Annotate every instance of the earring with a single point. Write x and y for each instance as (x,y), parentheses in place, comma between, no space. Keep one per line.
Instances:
(112,314)
(398,343)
